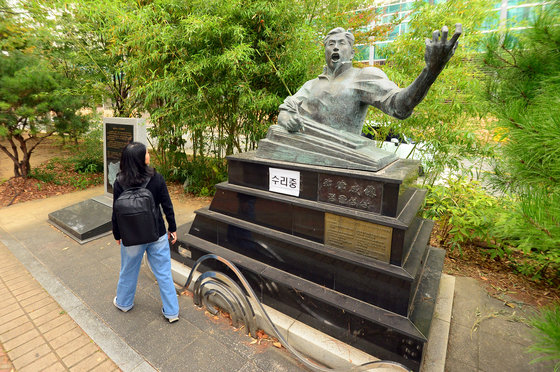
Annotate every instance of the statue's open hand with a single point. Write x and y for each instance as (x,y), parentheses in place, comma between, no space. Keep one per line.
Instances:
(439,51)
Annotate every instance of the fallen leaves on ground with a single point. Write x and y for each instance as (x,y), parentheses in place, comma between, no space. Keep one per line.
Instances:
(19,190)
(264,339)
(496,276)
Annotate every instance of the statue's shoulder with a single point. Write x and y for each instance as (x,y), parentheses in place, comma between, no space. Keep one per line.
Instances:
(310,82)
(307,87)
(372,73)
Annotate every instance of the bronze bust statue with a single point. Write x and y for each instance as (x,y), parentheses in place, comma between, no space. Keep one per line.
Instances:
(321,124)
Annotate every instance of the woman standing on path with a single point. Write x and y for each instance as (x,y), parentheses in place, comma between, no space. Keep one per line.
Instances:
(135,171)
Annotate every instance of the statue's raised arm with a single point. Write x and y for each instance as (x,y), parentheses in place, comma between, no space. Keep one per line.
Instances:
(439,51)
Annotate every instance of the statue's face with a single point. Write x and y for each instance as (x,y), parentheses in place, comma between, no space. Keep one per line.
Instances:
(338,50)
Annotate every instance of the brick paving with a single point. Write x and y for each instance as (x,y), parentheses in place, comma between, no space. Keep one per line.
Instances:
(35,332)
(5,362)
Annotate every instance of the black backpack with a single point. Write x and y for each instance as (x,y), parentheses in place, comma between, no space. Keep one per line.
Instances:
(136,214)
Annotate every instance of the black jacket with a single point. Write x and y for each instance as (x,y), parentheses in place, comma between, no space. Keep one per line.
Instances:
(158,188)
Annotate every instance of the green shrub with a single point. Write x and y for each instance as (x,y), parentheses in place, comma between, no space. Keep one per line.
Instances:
(547,331)
(203,174)
(522,84)
(89,157)
(500,227)
(198,175)
(174,166)
(43,175)
(62,172)
(81,170)
(532,227)
(465,212)
(88,165)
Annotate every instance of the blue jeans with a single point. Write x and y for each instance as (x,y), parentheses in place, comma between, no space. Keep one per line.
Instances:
(159,257)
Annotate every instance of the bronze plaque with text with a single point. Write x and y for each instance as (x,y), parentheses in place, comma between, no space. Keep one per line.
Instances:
(366,238)
(351,192)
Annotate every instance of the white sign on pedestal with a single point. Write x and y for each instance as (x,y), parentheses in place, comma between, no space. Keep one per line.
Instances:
(283,181)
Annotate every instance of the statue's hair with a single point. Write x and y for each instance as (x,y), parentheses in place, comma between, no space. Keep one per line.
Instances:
(339,30)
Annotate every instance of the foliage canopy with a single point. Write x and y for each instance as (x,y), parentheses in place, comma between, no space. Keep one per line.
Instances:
(34,94)
(522,85)
(211,72)
(446,122)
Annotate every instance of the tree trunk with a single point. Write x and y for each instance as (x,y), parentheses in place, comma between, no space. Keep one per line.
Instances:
(14,155)
(17,172)
(25,165)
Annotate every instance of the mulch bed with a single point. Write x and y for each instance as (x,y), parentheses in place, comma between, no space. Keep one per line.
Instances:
(19,190)
(497,276)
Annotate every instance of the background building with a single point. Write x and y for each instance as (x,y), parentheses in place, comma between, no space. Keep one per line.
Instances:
(510,14)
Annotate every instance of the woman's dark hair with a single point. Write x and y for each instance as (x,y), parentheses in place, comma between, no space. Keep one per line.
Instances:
(134,170)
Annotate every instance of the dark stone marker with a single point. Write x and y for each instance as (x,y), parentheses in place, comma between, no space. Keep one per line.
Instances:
(91,219)
(117,136)
(117,133)
(351,271)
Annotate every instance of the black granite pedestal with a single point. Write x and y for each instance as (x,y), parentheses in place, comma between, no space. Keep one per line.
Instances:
(86,220)
(347,255)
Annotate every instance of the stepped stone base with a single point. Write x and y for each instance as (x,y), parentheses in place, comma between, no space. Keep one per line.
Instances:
(346,254)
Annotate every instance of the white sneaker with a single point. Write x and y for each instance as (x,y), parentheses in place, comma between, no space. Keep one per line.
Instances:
(173,320)
(117,306)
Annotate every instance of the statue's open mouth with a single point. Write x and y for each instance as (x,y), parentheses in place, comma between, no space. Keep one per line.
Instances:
(335,57)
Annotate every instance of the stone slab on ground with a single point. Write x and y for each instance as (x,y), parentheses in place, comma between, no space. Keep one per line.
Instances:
(83,221)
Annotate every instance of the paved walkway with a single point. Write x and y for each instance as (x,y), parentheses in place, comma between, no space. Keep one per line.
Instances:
(83,278)
(53,289)
(486,335)
(36,332)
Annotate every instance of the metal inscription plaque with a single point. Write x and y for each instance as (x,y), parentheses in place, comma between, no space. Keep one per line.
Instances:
(366,238)
(350,192)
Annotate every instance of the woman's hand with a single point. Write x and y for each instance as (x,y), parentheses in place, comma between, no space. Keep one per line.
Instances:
(118,241)
(172,236)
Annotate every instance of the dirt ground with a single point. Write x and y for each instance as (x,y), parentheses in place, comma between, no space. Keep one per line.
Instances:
(496,276)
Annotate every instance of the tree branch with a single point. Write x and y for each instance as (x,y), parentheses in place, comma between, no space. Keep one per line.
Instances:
(7,152)
(41,139)
(14,149)
(537,226)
